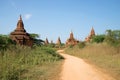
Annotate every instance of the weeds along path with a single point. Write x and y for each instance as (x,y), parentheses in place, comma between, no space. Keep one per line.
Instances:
(77,69)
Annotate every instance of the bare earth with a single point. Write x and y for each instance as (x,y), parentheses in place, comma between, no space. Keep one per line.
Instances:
(77,69)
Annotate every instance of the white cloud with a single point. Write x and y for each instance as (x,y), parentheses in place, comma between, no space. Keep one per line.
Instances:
(28,16)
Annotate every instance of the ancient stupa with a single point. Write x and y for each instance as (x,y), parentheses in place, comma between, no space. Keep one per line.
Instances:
(46,42)
(20,36)
(58,41)
(71,40)
(92,33)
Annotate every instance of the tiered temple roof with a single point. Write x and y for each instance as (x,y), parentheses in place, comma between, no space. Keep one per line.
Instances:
(20,36)
(71,40)
(92,33)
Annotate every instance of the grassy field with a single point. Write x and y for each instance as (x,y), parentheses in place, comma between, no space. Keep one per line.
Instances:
(24,63)
(102,55)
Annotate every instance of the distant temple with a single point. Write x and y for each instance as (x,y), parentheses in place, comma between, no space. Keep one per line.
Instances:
(20,36)
(51,42)
(71,40)
(58,41)
(46,42)
(92,33)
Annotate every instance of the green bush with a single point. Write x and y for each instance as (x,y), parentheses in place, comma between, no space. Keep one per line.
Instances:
(81,44)
(98,38)
(5,41)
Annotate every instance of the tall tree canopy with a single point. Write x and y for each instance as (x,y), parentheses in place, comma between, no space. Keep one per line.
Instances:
(113,37)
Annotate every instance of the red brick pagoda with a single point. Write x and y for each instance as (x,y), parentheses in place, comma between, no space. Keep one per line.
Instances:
(20,36)
(46,42)
(92,33)
(71,40)
(58,41)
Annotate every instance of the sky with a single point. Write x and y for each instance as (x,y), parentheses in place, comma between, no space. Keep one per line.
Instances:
(57,18)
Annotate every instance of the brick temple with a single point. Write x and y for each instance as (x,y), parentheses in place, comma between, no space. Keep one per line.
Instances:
(46,42)
(20,36)
(92,33)
(58,41)
(71,40)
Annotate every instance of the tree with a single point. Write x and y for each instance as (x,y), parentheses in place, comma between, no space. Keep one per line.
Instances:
(98,38)
(36,39)
(5,41)
(113,37)
(34,36)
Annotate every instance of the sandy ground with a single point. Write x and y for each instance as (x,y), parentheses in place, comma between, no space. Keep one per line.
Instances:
(77,69)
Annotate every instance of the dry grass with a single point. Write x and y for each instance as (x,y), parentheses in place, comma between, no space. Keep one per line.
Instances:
(49,71)
(24,63)
(102,55)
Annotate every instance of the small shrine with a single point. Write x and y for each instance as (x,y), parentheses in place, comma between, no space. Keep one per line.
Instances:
(58,41)
(71,40)
(20,36)
(46,42)
(51,42)
(92,33)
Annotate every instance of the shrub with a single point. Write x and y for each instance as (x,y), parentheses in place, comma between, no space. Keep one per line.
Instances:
(5,41)
(98,38)
(81,44)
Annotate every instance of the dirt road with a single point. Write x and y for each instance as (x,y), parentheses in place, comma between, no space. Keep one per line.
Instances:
(77,69)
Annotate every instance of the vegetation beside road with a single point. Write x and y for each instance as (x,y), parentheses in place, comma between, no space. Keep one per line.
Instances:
(25,63)
(103,51)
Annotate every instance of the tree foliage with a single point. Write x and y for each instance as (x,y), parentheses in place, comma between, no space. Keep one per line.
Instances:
(98,38)
(113,37)
(36,39)
(34,36)
(5,41)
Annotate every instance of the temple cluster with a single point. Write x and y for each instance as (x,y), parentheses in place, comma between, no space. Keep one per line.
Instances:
(20,36)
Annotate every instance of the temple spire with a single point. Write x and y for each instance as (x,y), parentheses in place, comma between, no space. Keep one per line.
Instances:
(92,33)
(20,25)
(20,17)
(71,35)
(46,41)
(58,41)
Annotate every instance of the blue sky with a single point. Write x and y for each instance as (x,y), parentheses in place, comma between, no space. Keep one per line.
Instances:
(56,18)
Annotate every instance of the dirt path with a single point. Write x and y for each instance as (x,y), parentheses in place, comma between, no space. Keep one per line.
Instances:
(77,69)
